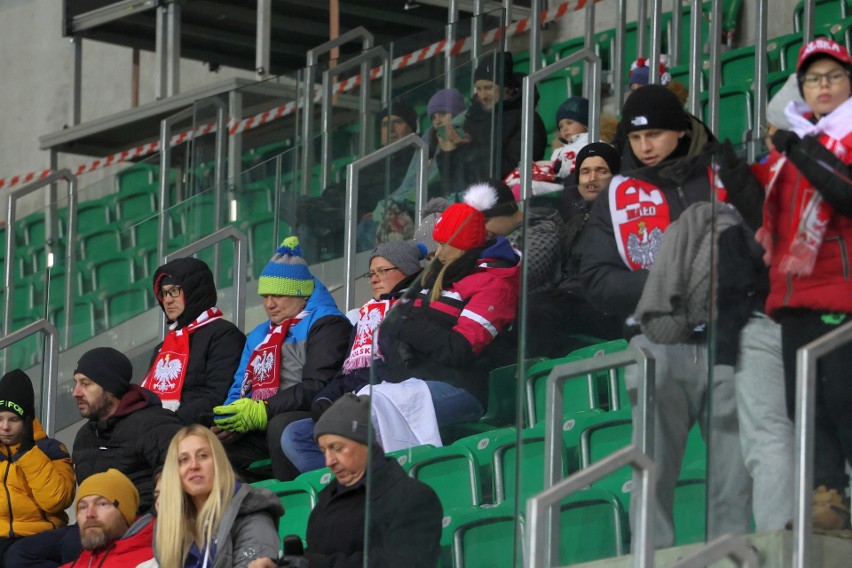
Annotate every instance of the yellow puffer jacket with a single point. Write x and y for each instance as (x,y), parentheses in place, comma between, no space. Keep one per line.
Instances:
(38,486)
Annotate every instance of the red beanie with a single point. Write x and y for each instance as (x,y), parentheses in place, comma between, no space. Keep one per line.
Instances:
(460,226)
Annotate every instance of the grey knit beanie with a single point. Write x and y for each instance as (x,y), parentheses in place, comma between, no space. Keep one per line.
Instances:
(349,417)
(405,255)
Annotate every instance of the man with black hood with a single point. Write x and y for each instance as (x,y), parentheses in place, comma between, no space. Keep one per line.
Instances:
(127,429)
(496,87)
(621,244)
(192,369)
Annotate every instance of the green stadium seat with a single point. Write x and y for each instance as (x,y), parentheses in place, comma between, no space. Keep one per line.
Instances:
(574,73)
(480,538)
(26,352)
(735,112)
(34,229)
(85,323)
(690,508)
(298,498)
(114,273)
(129,302)
(592,525)
(841,32)
(552,92)
(92,215)
(100,244)
(578,393)
(521,62)
(256,198)
(505,463)
(826,13)
(685,31)
(318,478)
(738,66)
(611,384)
(452,471)
(138,203)
(141,175)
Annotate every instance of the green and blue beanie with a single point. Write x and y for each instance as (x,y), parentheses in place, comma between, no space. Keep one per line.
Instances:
(287,273)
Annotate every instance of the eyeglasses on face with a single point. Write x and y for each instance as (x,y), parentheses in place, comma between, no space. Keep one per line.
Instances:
(833,77)
(173,292)
(380,272)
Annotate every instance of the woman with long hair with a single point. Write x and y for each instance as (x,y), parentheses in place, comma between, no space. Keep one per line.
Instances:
(207,519)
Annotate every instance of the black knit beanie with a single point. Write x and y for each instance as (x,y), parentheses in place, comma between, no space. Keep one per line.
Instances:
(107,367)
(16,394)
(601,150)
(349,417)
(654,107)
(406,112)
(489,70)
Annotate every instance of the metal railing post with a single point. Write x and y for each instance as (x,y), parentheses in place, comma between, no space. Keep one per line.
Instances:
(695,58)
(352,171)
(806,370)
(449,58)
(674,37)
(618,63)
(50,366)
(760,70)
(656,42)
(535,36)
(808,21)
(715,66)
(528,108)
(240,254)
(165,165)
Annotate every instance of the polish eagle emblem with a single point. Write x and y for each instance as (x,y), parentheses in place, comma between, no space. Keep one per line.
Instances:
(262,365)
(642,248)
(166,373)
(368,323)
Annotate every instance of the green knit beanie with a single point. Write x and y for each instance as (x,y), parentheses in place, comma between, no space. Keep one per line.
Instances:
(287,273)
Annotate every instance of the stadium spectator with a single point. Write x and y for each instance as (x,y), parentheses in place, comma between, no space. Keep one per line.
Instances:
(404,514)
(206,517)
(618,249)
(806,225)
(106,510)
(496,87)
(393,267)
(286,362)
(640,76)
(572,134)
(38,475)
(423,232)
(193,368)
(453,332)
(563,315)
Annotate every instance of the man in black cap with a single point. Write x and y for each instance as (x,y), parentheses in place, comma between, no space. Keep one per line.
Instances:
(667,160)
(127,429)
(405,514)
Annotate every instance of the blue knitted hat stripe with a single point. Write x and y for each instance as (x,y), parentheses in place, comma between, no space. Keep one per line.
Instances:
(287,274)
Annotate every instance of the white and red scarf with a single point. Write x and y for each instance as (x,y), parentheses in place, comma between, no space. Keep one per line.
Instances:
(811,213)
(640,215)
(370,316)
(167,373)
(263,372)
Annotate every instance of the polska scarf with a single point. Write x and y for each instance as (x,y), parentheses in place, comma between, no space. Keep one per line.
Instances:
(370,316)
(167,373)
(811,213)
(263,372)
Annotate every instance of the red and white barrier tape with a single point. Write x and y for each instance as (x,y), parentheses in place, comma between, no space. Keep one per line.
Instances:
(276,113)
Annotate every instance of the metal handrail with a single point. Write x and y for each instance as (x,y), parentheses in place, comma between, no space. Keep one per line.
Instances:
(240,253)
(50,366)
(539,506)
(421,153)
(311,60)
(715,63)
(363,103)
(528,108)
(806,363)
(656,42)
(165,167)
(70,238)
(727,546)
(760,70)
(643,433)
(695,30)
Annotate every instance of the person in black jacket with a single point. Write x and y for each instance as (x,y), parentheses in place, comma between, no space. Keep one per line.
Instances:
(192,369)
(404,514)
(620,246)
(127,429)
(467,157)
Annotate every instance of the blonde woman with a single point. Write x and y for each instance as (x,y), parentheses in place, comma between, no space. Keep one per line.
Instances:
(207,519)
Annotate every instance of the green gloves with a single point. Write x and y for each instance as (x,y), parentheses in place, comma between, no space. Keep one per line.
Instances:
(243,415)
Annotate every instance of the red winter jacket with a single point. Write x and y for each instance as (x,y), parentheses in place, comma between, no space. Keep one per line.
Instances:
(128,552)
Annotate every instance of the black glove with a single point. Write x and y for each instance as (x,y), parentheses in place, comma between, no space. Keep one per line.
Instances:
(318,407)
(28,439)
(294,562)
(784,140)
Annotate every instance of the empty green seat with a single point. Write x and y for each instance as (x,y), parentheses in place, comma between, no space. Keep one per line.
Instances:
(735,113)
(452,471)
(131,301)
(84,324)
(92,215)
(138,203)
(479,538)
(825,14)
(317,479)
(738,66)
(141,175)
(592,525)
(100,244)
(298,498)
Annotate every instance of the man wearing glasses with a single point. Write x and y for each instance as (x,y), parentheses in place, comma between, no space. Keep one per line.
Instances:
(285,363)
(193,368)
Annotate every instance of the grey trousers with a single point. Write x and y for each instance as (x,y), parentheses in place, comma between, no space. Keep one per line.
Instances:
(766,433)
(681,401)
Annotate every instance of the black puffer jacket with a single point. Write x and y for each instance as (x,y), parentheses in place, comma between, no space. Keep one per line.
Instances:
(134,440)
(214,350)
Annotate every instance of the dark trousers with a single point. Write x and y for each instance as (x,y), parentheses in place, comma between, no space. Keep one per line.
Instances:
(255,446)
(833,431)
(49,549)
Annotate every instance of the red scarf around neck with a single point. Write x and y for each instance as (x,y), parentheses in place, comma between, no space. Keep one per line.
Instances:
(166,375)
(370,316)
(263,372)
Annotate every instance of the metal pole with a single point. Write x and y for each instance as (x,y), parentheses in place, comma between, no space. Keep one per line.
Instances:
(452,23)
(695,59)
(589,43)
(656,19)
(264,32)
(674,38)
(618,52)
(476,31)
(76,79)
(760,70)
(715,67)
(535,36)
(808,22)
(641,28)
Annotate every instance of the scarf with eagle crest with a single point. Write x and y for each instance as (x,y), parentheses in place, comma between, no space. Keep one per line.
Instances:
(263,372)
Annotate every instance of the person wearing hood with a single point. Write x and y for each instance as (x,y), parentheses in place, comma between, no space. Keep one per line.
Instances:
(206,518)
(806,234)
(193,367)
(127,429)
(452,333)
(496,89)
(39,478)
(286,361)
(393,268)
(620,245)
